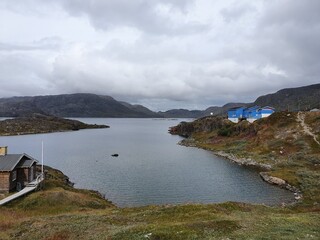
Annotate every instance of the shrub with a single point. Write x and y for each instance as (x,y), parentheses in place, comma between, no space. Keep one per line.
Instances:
(225,132)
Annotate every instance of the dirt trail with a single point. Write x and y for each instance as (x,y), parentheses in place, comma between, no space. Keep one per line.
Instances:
(306,129)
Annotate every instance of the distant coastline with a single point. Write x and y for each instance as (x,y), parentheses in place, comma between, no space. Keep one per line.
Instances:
(38,123)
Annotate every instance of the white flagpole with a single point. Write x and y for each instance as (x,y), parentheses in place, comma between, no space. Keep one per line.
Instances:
(42,160)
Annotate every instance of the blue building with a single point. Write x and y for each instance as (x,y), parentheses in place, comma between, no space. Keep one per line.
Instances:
(266,111)
(250,114)
(234,114)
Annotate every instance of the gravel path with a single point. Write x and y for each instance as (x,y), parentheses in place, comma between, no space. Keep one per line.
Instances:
(306,129)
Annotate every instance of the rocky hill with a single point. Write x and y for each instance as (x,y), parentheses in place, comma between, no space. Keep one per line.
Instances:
(71,105)
(145,112)
(181,113)
(292,99)
(38,123)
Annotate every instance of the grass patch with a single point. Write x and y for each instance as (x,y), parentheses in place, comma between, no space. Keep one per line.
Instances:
(214,221)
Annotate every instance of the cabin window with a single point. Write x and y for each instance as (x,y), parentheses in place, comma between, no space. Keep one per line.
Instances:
(14,175)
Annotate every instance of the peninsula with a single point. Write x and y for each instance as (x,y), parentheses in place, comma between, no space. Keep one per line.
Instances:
(285,147)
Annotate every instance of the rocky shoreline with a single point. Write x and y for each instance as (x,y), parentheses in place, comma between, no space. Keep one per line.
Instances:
(264,175)
(248,162)
(281,183)
(190,142)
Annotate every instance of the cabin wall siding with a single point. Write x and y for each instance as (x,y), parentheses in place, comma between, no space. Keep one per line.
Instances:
(235,120)
(23,176)
(4,181)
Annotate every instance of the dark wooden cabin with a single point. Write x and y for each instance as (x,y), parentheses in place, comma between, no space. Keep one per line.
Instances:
(16,170)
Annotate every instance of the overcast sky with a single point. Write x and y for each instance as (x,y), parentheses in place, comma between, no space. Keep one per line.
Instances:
(160,53)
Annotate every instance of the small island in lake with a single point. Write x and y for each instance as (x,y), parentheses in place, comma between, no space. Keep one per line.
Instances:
(39,123)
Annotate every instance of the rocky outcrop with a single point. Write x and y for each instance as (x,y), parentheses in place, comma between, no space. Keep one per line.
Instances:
(223,126)
(281,183)
(273,180)
(184,129)
(206,124)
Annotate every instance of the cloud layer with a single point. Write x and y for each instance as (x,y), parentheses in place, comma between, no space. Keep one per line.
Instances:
(161,53)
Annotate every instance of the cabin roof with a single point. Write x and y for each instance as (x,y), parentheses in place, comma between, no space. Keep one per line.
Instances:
(10,161)
(235,108)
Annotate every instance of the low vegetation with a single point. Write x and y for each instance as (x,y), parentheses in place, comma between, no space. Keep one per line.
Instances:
(61,212)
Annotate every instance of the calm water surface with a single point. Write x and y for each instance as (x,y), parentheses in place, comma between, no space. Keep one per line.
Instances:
(151,167)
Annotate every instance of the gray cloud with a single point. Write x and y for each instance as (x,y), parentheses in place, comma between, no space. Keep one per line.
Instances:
(237,11)
(286,12)
(164,54)
(49,43)
(289,32)
(151,16)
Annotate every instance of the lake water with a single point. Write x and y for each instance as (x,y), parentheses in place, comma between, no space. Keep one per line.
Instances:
(151,168)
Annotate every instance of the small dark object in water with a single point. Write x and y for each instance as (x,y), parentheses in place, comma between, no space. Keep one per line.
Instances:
(115,155)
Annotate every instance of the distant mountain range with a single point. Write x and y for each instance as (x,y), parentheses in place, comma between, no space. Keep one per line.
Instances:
(91,105)
(289,99)
(292,99)
(72,105)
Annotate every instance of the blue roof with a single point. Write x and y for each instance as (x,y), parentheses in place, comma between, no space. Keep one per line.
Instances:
(235,108)
(252,108)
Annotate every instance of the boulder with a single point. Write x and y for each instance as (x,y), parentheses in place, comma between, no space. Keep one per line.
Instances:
(273,180)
